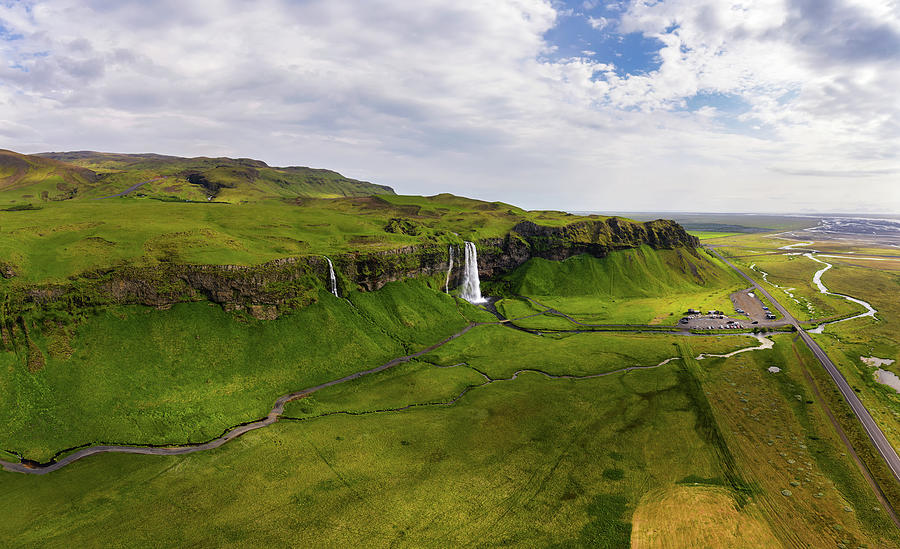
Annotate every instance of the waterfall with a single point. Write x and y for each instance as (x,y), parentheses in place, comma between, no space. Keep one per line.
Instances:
(449,270)
(331,278)
(471,286)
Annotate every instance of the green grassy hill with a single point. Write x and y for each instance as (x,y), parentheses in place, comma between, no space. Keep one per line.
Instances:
(88,174)
(33,178)
(637,272)
(639,285)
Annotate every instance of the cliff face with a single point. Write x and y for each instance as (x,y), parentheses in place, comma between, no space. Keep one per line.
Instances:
(293,281)
(596,238)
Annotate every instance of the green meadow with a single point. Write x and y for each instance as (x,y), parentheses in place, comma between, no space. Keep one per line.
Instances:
(628,458)
(847,342)
(711,235)
(62,239)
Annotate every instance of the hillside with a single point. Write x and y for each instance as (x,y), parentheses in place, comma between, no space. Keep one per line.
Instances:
(93,175)
(41,179)
(638,272)
(635,285)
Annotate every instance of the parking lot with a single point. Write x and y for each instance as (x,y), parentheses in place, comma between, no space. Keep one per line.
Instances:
(748,312)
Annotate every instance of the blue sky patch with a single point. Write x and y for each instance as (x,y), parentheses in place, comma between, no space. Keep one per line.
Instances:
(723,102)
(8,36)
(576,36)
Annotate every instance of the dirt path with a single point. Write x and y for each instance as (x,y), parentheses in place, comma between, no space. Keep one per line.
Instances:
(277,411)
(488,380)
(232,433)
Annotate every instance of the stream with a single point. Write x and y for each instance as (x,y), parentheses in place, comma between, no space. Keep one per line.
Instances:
(817,280)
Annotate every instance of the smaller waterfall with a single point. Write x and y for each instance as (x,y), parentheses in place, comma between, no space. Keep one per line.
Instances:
(331,278)
(449,270)
(471,285)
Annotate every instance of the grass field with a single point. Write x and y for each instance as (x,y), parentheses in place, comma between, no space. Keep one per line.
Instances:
(710,235)
(782,439)
(527,462)
(478,442)
(530,463)
(61,239)
(846,342)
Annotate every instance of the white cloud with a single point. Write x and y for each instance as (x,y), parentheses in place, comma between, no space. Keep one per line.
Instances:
(598,23)
(461,97)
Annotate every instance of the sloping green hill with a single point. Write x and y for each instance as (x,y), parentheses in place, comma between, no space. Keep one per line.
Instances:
(637,272)
(207,179)
(36,178)
(639,285)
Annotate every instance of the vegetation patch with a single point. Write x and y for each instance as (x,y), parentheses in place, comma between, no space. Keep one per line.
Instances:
(21,207)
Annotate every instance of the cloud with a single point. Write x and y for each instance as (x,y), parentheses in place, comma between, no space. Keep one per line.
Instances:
(598,23)
(471,97)
(835,173)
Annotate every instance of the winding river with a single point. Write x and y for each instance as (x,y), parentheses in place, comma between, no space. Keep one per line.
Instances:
(817,280)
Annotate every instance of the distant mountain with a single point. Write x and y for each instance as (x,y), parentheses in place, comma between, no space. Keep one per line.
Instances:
(88,174)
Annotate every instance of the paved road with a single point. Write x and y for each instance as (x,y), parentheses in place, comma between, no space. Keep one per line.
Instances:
(131,188)
(888,453)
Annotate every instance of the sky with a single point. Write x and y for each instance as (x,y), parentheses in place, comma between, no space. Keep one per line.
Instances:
(642,105)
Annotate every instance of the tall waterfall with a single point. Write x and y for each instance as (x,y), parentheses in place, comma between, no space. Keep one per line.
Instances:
(331,278)
(449,270)
(471,286)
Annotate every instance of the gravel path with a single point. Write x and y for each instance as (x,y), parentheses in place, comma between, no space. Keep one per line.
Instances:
(234,432)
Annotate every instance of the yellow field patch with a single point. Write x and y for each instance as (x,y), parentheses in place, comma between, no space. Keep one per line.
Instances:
(696,516)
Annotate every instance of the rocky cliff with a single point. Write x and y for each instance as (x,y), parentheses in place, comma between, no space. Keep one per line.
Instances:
(290,282)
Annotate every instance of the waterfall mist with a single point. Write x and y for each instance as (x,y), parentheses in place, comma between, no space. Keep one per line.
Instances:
(471,285)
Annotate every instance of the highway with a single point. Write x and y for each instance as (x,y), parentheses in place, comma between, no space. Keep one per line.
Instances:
(132,188)
(888,453)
